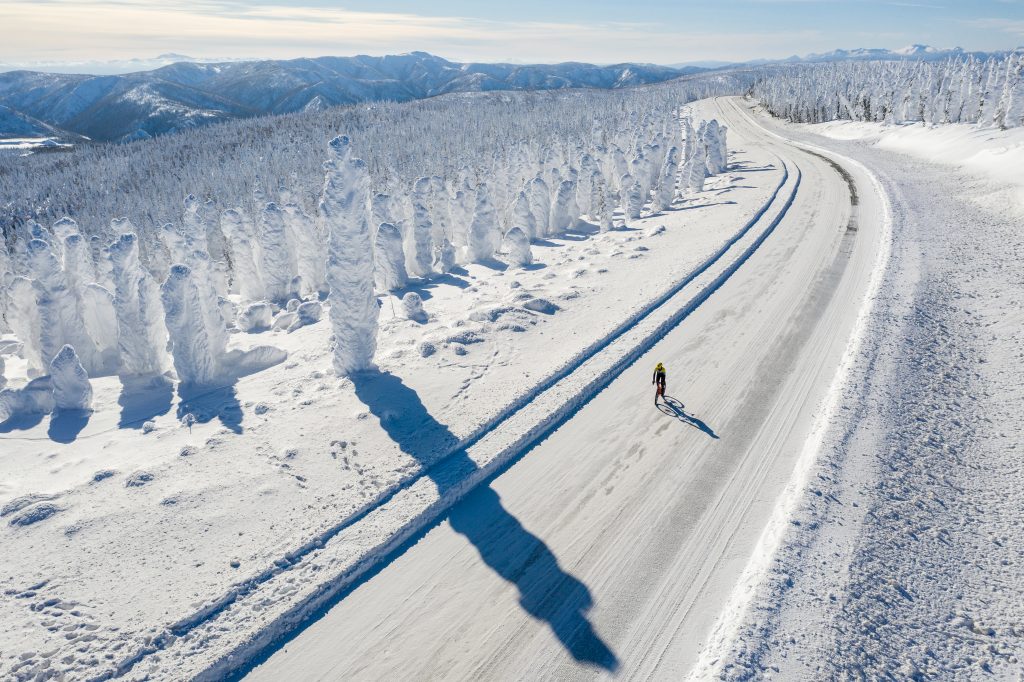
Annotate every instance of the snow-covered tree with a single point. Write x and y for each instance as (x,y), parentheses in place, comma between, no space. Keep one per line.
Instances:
(631,197)
(961,89)
(445,256)
(419,241)
(345,208)
(540,206)
(380,210)
(440,211)
(197,349)
(64,228)
(60,318)
(277,270)
(214,318)
(100,320)
(308,248)
(23,317)
(713,138)
(483,230)
(71,388)
(194,225)
(666,191)
(522,215)
(174,244)
(461,209)
(242,240)
(141,334)
(389,259)
(694,169)
(78,266)
(564,211)
(516,247)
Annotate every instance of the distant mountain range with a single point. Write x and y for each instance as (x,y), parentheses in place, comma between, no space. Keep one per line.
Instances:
(922,52)
(95,67)
(185,94)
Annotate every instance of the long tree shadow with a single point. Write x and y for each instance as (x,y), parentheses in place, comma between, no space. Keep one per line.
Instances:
(206,404)
(674,408)
(65,425)
(143,398)
(546,591)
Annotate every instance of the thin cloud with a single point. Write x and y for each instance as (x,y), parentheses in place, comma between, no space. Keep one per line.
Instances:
(225,29)
(1011,26)
(915,5)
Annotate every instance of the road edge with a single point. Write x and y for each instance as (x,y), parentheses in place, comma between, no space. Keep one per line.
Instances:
(715,652)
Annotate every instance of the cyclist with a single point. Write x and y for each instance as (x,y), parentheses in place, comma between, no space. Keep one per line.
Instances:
(659,380)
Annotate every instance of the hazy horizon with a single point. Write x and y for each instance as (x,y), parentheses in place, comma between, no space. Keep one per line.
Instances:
(70,32)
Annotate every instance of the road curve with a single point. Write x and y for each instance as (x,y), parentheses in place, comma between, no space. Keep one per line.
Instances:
(611,548)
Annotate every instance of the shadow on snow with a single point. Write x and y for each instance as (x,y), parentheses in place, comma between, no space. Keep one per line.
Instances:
(546,591)
(674,408)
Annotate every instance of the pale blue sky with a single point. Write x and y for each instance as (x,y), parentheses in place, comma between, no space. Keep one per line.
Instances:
(659,31)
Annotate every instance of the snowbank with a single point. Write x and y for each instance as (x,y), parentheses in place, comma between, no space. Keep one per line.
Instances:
(998,155)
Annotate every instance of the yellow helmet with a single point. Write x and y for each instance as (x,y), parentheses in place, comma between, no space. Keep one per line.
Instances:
(660,366)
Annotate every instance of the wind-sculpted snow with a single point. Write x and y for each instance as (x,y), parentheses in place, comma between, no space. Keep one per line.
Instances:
(71,387)
(345,208)
(255,317)
(35,398)
(989,93)
(412,307)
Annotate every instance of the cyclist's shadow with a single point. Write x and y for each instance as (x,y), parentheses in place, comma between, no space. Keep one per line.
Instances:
(675,408)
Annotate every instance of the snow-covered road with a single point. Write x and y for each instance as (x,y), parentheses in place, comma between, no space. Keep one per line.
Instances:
(612,546)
